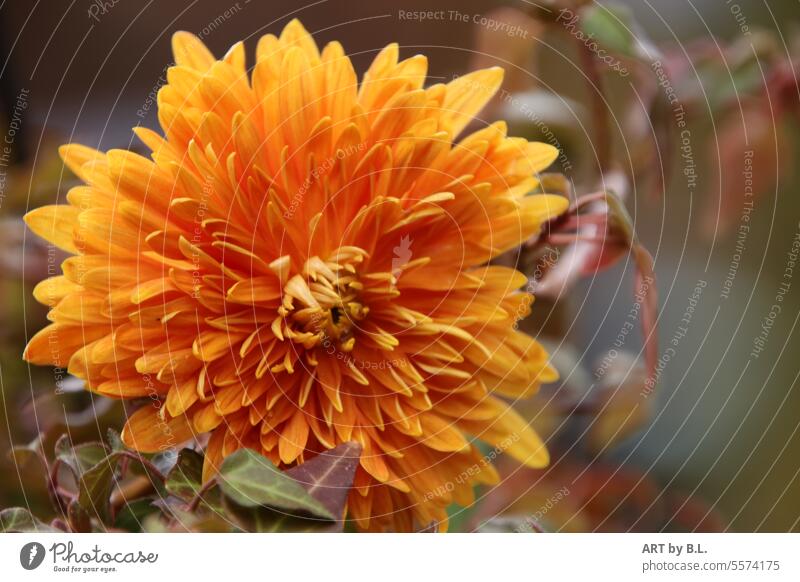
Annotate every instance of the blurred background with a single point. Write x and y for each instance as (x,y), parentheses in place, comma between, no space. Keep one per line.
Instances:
(689,113)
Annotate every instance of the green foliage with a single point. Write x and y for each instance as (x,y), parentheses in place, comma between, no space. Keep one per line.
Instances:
(18,519)
(251,480)
(611,26)
(185,479)
(308,497)
(615,29)
(108,487)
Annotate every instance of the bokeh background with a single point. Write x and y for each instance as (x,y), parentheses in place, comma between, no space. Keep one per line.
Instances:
(722,424)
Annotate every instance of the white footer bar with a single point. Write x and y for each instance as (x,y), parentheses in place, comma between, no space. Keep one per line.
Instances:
(385,558)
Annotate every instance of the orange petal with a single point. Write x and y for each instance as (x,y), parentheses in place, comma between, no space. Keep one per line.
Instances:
(190,51)
(50,291)
(147,432)
(75,156)
(213,458)
(441,435)
(55,223)
(55,344)
(293,438)
(466,96)
(294,34)
(511,434)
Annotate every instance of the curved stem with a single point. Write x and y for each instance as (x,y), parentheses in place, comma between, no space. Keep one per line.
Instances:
(199,496)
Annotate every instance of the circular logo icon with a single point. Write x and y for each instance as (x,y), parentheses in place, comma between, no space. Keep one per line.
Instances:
(31,555)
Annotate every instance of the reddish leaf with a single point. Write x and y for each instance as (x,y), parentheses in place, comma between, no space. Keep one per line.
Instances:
(597,231)
(328,477)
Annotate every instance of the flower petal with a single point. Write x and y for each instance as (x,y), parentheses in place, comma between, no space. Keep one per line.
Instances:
(55,223)
(147,432)
(466,96)
(190,51)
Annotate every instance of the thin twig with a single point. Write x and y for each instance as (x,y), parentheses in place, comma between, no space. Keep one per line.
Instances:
(199,495)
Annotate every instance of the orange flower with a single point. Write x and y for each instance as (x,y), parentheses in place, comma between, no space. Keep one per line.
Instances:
(303,263)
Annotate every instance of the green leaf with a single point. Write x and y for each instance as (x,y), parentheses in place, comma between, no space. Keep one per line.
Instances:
(95,485)
(19,519)
(614,27)
(611,26)
(79,519)
(115,441)
(185,478)
(174,517)
(263,519)
(79,458)
(328,477)
(251,480)
(131,515)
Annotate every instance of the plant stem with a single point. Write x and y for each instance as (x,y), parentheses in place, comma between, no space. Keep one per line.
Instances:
(199,496)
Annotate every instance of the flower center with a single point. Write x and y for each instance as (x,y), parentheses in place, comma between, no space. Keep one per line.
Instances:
(322,304)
